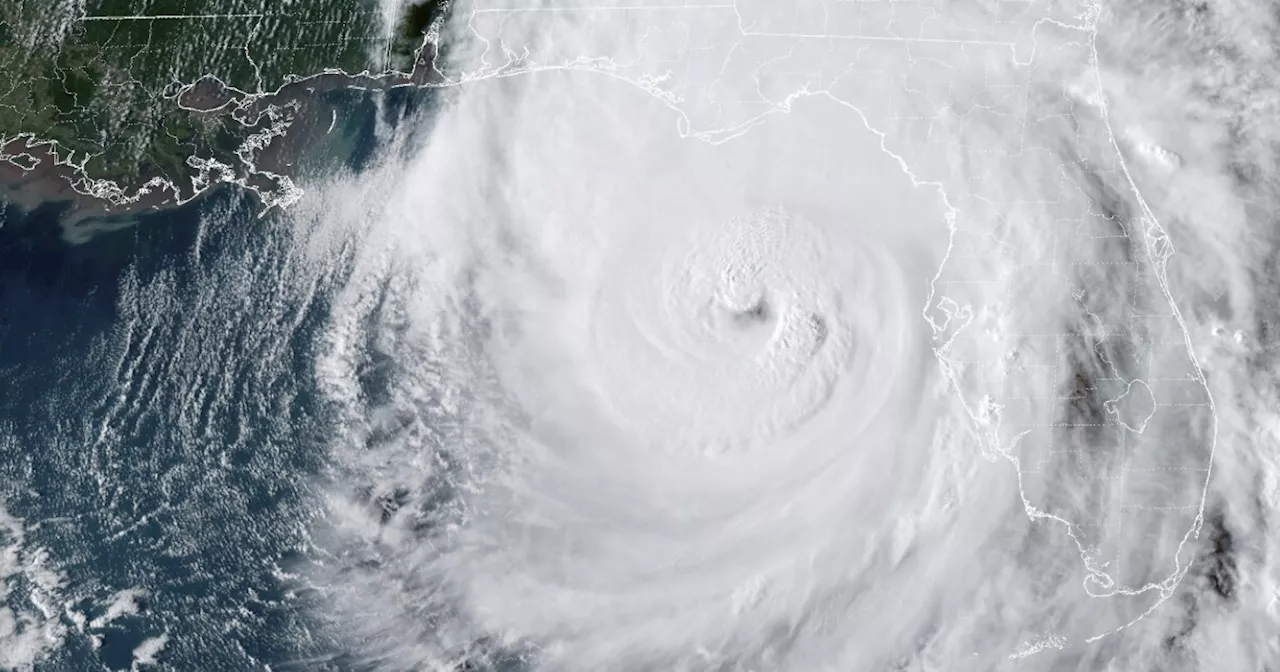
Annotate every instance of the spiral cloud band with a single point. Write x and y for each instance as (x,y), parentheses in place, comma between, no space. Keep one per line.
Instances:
(861,355)
(703,363)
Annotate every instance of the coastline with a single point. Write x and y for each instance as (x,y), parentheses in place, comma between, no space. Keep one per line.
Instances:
(280,128)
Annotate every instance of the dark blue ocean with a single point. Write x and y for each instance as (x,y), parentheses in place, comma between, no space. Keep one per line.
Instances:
(159,433)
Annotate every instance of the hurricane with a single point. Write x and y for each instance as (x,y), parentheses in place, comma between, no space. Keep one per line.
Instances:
(725,337)
(878,379)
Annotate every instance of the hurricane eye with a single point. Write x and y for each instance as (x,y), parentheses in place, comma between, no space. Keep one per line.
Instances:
(758,313)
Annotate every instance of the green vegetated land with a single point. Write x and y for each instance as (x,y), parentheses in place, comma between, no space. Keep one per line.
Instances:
(100,81)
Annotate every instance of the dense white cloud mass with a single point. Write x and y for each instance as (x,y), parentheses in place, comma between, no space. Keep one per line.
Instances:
(846,337)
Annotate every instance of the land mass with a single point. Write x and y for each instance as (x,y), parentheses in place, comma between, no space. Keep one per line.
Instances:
(129,106)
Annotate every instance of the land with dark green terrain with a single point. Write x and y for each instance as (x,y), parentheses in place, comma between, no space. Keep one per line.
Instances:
(135,104)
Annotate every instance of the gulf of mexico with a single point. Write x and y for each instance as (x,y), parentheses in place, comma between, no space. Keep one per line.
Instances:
(157,433)
(160,428)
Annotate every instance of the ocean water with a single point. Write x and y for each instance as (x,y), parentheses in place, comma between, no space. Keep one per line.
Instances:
(814,354)
(159,432)
(155,463)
